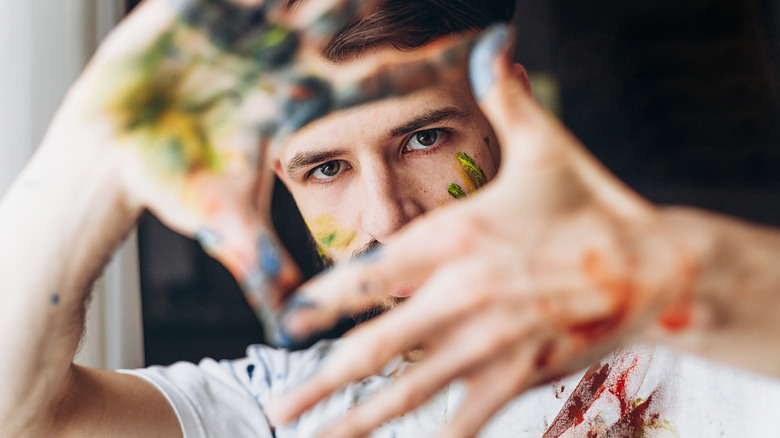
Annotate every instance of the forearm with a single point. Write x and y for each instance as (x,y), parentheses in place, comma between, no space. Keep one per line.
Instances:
(59,223)
(728,306)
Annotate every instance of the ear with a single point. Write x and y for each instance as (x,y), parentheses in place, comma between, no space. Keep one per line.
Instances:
(518,71)
(280,172)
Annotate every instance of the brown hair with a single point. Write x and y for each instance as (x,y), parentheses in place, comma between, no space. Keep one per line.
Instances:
(408,24)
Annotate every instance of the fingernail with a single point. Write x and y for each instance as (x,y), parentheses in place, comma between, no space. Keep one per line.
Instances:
(369,255)
(282,339)
(298,302)
(208,238)
(490,44)
(288,316)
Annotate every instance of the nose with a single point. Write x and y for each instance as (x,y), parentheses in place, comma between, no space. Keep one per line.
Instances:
(389,202)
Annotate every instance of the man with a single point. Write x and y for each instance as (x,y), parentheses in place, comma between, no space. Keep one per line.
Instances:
(358,177)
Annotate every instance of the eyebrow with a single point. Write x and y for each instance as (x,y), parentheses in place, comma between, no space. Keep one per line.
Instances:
(305,160)
(429,118)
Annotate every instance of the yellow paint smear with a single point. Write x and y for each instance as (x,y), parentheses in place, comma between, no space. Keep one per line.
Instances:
(329,234)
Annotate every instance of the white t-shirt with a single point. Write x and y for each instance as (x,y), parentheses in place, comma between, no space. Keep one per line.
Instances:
(641,391)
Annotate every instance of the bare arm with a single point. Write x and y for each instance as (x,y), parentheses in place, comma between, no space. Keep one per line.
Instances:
(729,307)
(59,224)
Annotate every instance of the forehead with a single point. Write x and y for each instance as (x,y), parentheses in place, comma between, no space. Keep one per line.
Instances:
(378,119)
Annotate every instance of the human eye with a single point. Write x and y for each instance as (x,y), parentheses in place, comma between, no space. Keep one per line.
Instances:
(426,139)
(329,170)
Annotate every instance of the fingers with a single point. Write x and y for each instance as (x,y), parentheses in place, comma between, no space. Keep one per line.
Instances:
(427,319)
(266,32)
(394,73)
(535,145)
(351,288)
(263,268)
(376,343)
(465,347)
(488,390)
(308,96)
(417,385)
(318,21)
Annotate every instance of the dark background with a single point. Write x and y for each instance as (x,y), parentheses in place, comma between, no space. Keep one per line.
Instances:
(679,98)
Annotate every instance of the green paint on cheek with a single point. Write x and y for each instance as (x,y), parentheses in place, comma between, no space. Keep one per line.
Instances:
(472,171)
(456,191)
(473,177)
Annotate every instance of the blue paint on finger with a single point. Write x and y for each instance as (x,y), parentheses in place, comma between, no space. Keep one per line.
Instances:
(298,302)
(208,238)
(310,98)
(255,281)
(491,43)
(243,30)
(269,256)
(369,255)
(270,46)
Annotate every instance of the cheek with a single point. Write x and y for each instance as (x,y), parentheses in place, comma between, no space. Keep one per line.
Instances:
(469,173)
(334,225)
(330,234)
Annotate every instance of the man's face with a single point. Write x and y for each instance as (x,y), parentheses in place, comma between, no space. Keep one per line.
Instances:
(358,176)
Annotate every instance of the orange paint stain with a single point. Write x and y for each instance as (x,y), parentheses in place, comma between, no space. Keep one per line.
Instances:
(619,289)
(679,316)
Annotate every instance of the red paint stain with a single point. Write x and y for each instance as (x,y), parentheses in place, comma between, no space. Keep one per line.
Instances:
(621,377)
(545,355)
(620,289)
(632,423)
(559,389)
(679,316)
(571,414)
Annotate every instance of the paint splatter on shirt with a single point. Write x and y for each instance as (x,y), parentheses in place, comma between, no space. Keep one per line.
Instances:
(638,392)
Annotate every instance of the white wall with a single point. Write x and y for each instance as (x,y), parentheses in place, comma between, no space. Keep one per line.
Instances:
(44,44)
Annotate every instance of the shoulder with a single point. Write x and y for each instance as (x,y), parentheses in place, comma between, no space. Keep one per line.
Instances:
(228,397)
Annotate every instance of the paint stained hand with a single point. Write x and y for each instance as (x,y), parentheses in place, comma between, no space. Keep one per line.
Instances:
(196,95)
(539,274)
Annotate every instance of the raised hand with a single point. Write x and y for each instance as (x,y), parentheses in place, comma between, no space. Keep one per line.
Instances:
(546,269)
(192,95)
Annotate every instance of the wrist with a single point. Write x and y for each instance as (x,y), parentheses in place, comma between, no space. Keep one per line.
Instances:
(699,304)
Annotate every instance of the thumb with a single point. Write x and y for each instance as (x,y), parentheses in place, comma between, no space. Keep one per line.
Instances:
(259,262)
(537,150)
(522,126)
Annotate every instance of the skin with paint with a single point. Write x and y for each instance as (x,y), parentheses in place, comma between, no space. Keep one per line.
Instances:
(472,174)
